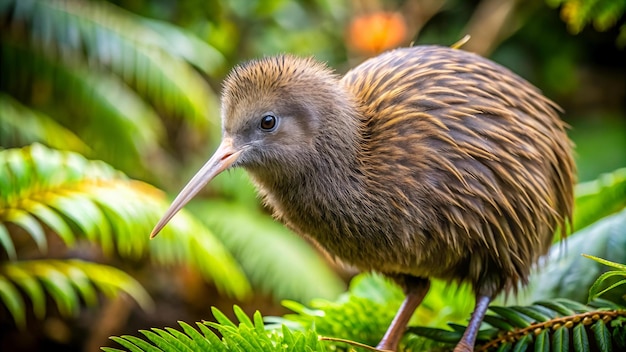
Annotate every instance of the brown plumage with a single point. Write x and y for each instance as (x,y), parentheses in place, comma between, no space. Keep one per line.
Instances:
(421,162)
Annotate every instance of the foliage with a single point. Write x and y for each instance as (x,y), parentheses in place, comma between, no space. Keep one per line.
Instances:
(362,315)
(603,14)
(599,198)
(104,74)
(285,268)
(249,336)
(548,324)
(596,289)
(46,194)
(68,282)
(566,273)
(364,312)
(545,325)
(93,78)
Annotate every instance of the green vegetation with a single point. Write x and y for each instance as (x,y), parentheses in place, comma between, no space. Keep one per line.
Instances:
(108,107)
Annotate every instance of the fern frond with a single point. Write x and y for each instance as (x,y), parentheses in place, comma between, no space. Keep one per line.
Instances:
(586,327)
(22,125)
(69,283)
(111,38)
(599,198)
(596,289)
(74,198)
(274,259)
(246,336)
(366,310)
(110,110)
(565,273)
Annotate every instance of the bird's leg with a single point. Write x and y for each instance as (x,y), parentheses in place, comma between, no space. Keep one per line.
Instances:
(469,337)
(416,289)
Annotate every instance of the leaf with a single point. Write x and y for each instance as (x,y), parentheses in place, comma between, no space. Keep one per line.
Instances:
(523,344)
(141,344)
(221,318)
(29,224)
(274,258)
(29,284)
(557,307)
(567,274)
(498,322)
(542,341)
(132,47)
(560,339)
(619,266)
(599,198)
(51,219)
(12,299)
(59,288)
(243,318)
(580,339)
(602,336)
(7,243)
(593,291)
(23,125)
(82,199)
(122,341)
(436,334)
(505,347)
(517,319)
(159,341)
(535,314)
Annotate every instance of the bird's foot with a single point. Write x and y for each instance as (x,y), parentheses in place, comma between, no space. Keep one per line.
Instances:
(463,347)
(387,346)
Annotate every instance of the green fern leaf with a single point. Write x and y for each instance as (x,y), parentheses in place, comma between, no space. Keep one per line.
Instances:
(31,287)
(91,200)
(599,198)
(22,126)
(52,219)
(535,314)
(12,299)
(179,339)
(580,339)
(242,317)
(215,342)
(523,344)
(136,344)
(602,336)
(560,339)
(109,349)
(7,243)
(222,318)
(69,283)
(58,286)
(161,342)
(517,319)
(241,337)
(29,224)
(140,51)
(274,259)
(542,341)
(505,347)
(201,342)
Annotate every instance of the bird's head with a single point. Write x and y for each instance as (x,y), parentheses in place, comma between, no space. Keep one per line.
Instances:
(273,110)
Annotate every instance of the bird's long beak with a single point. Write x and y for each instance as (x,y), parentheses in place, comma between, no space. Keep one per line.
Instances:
(224,156)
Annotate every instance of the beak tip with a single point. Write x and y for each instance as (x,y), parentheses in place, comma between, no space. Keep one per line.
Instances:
(154,232)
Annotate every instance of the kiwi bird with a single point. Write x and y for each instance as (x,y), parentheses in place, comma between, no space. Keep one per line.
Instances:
(423,162)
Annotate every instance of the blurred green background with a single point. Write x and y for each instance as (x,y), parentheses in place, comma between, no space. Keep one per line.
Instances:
(136,84)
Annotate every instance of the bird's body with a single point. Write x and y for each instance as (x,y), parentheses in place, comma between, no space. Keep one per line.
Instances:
(423,162)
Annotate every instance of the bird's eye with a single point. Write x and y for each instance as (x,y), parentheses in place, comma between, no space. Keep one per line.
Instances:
(268,122)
